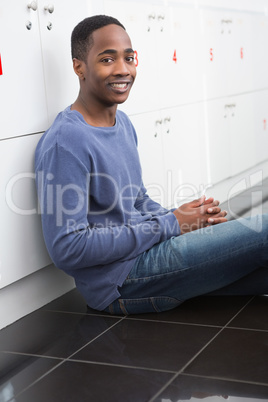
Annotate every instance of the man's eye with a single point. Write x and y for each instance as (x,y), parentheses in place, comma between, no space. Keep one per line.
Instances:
(130,59)
(107,60)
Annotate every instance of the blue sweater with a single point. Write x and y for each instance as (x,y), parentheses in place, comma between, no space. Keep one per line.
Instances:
(96,216)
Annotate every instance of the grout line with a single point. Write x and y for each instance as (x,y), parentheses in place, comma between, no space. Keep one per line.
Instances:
(248,329)
(84,314)
(36,381)
(242,308)
(225,379)
(62,362)
(92,362)
(164,387)
(187,364)
(198,353)
(33,355)
(174,322)
(96,337)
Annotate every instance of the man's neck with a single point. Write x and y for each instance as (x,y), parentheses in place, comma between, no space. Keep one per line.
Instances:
(94,115)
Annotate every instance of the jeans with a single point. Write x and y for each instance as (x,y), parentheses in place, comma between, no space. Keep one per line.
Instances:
(230,258)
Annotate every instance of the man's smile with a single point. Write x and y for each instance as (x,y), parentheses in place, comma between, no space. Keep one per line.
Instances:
(121,86)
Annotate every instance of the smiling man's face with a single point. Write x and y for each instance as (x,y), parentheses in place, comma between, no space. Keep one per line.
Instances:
(110,67)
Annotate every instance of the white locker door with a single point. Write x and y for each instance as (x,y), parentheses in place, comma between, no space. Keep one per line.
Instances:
(260,107)
(243,151)
(185,152)
(57,20)
(215,52)
(149,131)
(179,78)
(22,100)
(218,118)
(22,247)
(260,52)
(242,56)
(142,24)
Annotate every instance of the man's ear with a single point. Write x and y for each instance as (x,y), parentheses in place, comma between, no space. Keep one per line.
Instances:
(78,67)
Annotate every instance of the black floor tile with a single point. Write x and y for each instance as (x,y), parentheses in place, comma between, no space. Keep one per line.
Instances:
(83,382)
(72,302)
(205,310)
(52,333)
(19,371)
(197,388)
(148,344)
(235,354)
(254,316)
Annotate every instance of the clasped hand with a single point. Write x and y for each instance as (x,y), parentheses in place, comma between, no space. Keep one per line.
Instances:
(199,213)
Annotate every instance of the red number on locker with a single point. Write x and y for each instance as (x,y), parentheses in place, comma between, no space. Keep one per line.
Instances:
(136,58)
(264,124)
(211,54)
(1,70)
(242,53)
(175,56)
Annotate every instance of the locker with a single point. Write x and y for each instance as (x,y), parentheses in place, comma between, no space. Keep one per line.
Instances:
(242,57)
(242,132)
(245,5)
(185,152)
(260,50)
(57,21)
(231,140)
(22,89)
(215,52)
(218,118)
(22,247)
(143,22)
(149,131)
(260,110)
(181,80)
(173,153)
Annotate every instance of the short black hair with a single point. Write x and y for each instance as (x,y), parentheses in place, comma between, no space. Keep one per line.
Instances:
(81,39)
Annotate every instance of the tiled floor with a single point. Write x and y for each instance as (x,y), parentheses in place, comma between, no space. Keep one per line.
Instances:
(210,348)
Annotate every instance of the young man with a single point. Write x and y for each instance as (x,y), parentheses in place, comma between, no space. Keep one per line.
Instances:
(126,252)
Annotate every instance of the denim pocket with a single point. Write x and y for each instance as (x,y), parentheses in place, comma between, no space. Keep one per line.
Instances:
(146,305)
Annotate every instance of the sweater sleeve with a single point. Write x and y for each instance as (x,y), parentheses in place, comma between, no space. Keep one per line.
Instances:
(146,205)
(63,184)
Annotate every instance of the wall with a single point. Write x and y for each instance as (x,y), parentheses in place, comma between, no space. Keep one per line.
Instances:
(199,105)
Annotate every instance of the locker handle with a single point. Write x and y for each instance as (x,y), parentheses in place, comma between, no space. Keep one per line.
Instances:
(32,5)
(151,16)
(229,107)
(49,8)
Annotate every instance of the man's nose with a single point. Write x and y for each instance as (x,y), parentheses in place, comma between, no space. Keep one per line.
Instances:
(121,67)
